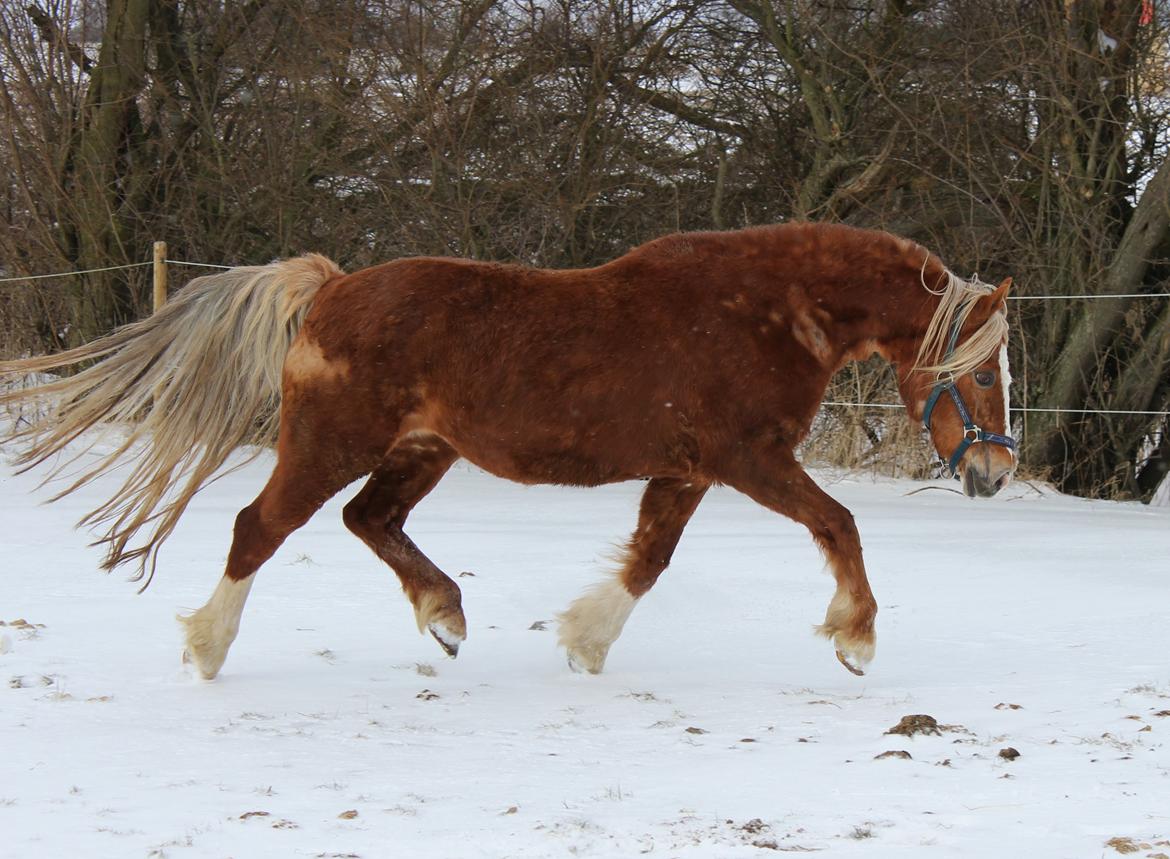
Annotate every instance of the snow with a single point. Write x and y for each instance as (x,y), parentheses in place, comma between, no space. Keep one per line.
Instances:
(721,727)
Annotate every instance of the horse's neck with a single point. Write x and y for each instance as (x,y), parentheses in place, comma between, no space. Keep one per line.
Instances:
(877,311)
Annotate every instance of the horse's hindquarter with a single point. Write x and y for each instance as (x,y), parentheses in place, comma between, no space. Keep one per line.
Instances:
(576,377)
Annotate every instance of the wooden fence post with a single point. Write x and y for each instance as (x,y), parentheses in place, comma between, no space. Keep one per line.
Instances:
(160,275)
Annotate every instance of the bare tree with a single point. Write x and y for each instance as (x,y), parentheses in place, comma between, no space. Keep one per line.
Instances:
(1014,139)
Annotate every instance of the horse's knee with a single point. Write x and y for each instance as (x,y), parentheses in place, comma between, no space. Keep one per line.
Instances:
(837,532)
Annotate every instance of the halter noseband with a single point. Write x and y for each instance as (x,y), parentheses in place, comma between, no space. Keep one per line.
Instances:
(972,432)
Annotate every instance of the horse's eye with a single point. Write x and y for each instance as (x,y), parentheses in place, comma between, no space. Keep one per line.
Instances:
(985,378)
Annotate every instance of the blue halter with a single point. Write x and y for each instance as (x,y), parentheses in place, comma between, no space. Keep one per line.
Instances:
(972,432)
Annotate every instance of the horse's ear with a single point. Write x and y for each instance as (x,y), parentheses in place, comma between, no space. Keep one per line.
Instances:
(996,299)
(1000,294)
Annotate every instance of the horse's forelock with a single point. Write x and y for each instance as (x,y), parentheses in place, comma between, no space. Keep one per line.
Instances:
(957,300)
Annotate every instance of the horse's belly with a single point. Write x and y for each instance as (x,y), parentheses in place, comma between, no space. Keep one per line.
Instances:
(580,462)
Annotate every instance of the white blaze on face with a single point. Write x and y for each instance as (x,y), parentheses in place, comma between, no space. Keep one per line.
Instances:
(1005,380)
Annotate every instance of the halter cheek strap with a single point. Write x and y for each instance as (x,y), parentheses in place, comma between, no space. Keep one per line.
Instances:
(972,432)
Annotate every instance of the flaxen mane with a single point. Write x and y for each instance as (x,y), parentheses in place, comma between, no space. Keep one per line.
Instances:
(957,298)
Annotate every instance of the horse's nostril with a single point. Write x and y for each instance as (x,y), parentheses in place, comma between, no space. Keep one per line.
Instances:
(1004,478)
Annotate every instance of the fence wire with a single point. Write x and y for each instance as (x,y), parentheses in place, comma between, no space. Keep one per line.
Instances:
(1013,409)
(1082,297)
(74,273)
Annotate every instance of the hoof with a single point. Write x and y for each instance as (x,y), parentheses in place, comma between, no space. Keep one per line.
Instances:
(210,631)
(854,652)
(206,646)
(205,671)
(587,660)
(206,668)
(852,669)
(447,639)
(590,626)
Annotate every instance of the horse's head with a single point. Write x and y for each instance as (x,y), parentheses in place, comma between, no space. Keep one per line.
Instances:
(958,387)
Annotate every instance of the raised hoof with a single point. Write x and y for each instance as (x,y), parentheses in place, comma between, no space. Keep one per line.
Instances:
(852,669)
(448,640)
(852,652)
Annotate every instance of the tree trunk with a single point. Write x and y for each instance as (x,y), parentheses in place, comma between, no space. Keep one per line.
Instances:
(106,172)
(1094,333)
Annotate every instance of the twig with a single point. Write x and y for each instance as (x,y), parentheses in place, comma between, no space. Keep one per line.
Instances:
(924,488)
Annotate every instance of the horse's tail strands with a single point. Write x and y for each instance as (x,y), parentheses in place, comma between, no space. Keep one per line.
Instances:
(189,384)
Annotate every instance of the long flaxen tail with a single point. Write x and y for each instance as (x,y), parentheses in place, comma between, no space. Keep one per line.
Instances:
(188,385)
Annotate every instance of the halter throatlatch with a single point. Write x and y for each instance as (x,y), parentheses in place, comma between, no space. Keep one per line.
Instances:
(972,432)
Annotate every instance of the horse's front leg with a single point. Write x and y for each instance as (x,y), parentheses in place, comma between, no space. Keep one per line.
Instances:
(771,476)
(594,621)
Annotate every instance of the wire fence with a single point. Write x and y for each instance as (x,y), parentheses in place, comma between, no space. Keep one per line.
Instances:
(1014,409)
(1088,297)
(63,274)
(183,262)
(1082,297)
(199,264)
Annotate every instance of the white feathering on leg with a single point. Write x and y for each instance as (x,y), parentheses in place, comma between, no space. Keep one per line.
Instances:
(593,623)
(212,629)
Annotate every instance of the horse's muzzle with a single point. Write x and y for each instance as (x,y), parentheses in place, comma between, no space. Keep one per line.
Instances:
(982,480)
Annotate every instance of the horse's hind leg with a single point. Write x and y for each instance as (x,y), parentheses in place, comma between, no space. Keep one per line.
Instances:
(377,515)
(299,485)
(590,626)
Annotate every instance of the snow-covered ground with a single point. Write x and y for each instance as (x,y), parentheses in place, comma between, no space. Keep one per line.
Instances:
(721,728)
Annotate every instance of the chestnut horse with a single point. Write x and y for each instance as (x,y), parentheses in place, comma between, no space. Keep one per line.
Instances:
(692,360)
